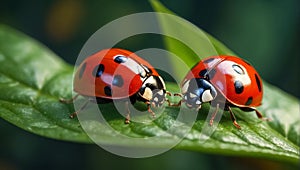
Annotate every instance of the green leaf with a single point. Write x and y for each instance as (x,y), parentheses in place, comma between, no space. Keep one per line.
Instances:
(32,79)
(272,140)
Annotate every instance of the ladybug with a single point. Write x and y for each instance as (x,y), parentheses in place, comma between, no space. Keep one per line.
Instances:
(223,78)
(118,74)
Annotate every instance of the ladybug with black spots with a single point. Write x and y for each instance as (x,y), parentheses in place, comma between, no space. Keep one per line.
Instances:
(223,78)
(118,74)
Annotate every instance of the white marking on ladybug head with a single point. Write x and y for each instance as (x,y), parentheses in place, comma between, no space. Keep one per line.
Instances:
(198,102)
(158,96)
(185,86)
(147,94)
(207,96)
(185,97)
(192,95)
(199,107)
(160,92)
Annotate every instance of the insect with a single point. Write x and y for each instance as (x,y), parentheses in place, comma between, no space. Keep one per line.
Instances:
(118,74)
(223,78)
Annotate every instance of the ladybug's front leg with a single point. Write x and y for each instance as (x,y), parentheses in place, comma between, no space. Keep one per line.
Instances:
(233,118)
(211,121)
(127,119)
(149,109)
(79,110)
(68,101)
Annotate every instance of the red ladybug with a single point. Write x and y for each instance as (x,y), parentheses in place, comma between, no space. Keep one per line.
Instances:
(223,78)
(118,74)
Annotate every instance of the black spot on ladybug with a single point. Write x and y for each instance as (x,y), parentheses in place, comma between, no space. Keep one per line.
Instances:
(249,101)
(98,70)
(120,59)
(209,75)
(258,82)
(107,91)
(118,81)
(202,73)
(208,60)
(238,69)
(81,71)
(238,86)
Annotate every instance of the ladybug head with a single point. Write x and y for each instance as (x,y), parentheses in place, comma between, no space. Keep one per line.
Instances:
(153,90)
(197,91)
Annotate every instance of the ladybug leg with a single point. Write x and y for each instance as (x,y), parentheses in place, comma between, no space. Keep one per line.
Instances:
(211,121)
(79,110)
(127,119)
(150,111)
(68,101)
(260,116)
(233,118)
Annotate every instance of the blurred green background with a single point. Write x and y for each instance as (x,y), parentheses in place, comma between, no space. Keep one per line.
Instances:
(265,32)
